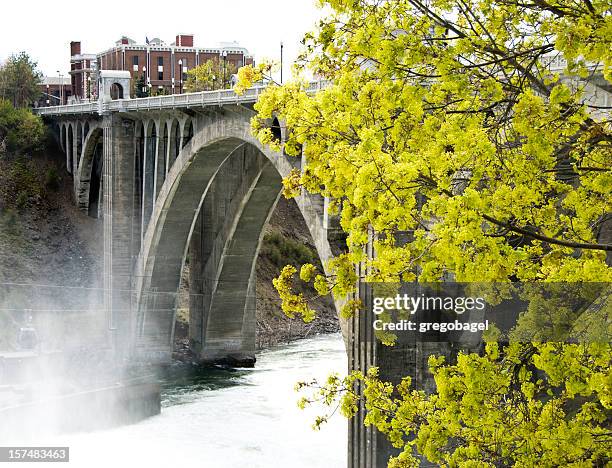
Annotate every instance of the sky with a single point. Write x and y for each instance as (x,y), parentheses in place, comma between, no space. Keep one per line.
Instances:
(258,25)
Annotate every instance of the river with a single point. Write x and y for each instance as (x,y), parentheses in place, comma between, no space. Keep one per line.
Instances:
(229,418)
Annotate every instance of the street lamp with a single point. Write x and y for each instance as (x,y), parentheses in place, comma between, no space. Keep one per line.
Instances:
(145,88)
(180,63)
(281,77)
(61,86)
(224,55)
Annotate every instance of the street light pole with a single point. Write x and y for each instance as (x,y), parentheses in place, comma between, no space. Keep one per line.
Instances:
(61,87)
(281,77)
(180,63)
(147,82)
(224,67)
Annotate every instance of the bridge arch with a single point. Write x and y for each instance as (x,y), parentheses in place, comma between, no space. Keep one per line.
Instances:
(62,136)
(186,132)
(89,173)
(217,197)
(86,128)
(163,151)
(174,140)
(114,84)
(78,145)
(151,143)
(116,91)
(276,129)
(70,133)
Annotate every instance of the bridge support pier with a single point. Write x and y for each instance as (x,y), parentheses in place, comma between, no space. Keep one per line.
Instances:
(118,196)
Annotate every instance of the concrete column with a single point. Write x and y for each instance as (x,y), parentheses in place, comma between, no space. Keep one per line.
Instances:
(196,287)
(148,189)
(69,148)
(173,145)
(143,188)
(78,148)
(138,184)
(161,160)
(62,142)
(75,149)
(118,193)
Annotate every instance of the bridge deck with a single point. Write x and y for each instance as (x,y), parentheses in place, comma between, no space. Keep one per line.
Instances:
(201,99)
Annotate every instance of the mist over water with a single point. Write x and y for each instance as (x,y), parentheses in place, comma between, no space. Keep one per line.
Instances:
(227,418)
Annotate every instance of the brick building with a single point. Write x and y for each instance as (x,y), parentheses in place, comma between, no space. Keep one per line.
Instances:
(159,63)
(82,72)
(55,90)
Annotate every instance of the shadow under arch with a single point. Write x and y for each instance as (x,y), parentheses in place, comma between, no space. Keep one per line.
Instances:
(89,174)
(116,91)
(173,140)
(219,195)
(69,147)
(187,132)
(62,136)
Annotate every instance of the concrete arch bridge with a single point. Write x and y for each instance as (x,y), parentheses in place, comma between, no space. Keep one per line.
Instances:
(179,178)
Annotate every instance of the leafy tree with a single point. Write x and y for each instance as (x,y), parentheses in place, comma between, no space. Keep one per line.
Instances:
(20,80)
(209,75)
(20,130)
(142,90)
(448,120)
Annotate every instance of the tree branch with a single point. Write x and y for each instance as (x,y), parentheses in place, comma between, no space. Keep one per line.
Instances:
(549,240)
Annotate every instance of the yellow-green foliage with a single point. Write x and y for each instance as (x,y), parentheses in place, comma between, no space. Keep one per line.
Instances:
(443,120)
(209,76)
(532,405)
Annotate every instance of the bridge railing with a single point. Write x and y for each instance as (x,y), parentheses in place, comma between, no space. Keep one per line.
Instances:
(556,63)
(82,108)
(222,96)
(204,98)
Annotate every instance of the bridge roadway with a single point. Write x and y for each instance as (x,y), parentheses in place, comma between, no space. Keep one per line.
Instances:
(202,99)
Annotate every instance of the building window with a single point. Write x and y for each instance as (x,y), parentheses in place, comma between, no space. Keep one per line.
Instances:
(160,68)
(135,60)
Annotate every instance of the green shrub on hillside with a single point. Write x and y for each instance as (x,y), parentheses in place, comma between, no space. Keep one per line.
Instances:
(22,200)
(284,251)
(23,179)
(52,179)
(20,130)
